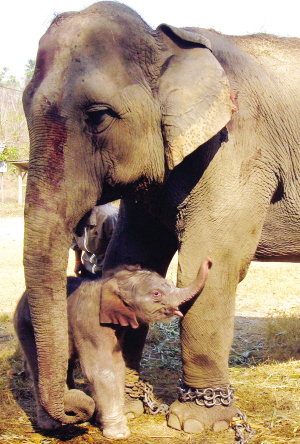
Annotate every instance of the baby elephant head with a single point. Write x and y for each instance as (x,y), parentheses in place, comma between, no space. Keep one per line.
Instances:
(131,294)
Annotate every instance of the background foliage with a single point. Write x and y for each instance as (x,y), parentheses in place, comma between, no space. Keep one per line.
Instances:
(13,129)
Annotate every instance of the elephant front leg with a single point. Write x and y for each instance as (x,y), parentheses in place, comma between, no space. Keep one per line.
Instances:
(105,373)
(139,238)
(206,335)
(211,406)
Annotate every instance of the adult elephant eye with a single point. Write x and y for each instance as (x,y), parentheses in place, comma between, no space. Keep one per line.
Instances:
(99,118)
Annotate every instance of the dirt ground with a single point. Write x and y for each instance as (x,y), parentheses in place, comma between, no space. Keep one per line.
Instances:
(267,325)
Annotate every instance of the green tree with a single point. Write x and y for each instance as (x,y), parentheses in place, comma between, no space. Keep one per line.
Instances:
(9,153)
(3,74)
(13,128)
(29,70)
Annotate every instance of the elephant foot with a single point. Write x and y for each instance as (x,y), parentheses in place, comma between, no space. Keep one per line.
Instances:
(192,418)
(116,431)
(45,422)
(133,407)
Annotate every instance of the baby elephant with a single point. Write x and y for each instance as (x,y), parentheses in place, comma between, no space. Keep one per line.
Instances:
(127,295)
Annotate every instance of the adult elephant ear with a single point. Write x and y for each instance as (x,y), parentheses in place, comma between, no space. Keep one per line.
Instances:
(113,310)
(193,91)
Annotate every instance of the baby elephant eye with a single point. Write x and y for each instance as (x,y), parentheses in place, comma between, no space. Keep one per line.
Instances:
(156,295)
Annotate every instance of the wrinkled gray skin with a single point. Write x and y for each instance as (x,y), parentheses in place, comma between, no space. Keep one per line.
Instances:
(131,294)
(117,109)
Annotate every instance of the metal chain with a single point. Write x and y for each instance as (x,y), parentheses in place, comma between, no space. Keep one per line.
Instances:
(243,431)
(207,397)
(144,391)
(203,397)
(210,397)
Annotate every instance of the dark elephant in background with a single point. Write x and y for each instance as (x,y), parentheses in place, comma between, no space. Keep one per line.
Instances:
(116,109)
(133,296)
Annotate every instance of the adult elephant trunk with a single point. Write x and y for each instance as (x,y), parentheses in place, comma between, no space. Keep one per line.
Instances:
(80,405)
(48,233)
(187,293)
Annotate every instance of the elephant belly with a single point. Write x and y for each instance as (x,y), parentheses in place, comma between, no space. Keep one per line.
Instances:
(280,239)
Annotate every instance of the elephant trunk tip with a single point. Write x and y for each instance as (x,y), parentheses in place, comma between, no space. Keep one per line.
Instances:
(78,407)
(195,288)
(202,275)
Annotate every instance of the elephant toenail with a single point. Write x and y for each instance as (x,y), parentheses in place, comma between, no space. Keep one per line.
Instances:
(130,415)
(173,422)
(193,426)
(220,426)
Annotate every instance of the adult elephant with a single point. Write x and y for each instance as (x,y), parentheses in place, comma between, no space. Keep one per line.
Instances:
(116,109)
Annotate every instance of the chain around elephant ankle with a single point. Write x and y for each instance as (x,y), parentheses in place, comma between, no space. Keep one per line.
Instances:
(206,397)
(144,390)
(209,397)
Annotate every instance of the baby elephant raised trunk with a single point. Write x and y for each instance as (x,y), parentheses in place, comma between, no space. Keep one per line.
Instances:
(187,293)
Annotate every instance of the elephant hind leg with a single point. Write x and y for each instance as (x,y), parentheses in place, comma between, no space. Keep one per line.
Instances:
(133,344)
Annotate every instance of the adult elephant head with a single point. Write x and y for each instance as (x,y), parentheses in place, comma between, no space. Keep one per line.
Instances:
(112,107)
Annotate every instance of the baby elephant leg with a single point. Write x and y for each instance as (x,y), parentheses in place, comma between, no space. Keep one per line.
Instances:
(98,365)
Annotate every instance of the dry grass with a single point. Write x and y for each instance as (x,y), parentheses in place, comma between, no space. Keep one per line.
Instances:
(269,393)
(283,335)
(267,326)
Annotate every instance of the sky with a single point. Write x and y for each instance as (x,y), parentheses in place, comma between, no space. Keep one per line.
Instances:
(23,22)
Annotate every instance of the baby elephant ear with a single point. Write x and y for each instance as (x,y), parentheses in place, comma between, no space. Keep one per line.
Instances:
(112,308)
(193,91)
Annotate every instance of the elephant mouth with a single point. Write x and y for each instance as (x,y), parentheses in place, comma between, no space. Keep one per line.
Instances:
(178,313)
(111,193)
(170,312)
(142,190)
